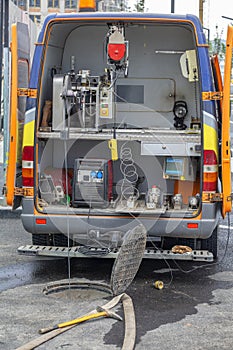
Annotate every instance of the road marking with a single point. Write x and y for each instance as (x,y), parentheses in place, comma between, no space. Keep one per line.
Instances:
(226,226)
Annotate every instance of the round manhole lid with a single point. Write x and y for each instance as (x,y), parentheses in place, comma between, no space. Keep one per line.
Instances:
(129,259)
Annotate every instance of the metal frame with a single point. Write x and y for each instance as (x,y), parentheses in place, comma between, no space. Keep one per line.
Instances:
(74,252)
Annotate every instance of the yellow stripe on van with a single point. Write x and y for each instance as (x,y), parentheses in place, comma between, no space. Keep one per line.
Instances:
(28,133)
(210,139)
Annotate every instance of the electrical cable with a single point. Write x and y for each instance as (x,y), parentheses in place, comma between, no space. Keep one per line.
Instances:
(114,80)
(88,251)
(129,172)
(167,263)
(197,267)
(67,196)
(155,247)
(214,263)
(85,249)
(67,210)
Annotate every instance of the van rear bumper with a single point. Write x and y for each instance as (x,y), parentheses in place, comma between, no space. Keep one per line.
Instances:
(156,226)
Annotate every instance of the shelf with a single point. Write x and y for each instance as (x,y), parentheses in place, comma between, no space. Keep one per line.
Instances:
(152,135)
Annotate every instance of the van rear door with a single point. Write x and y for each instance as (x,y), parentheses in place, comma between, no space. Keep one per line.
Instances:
(226,112)
(20,60)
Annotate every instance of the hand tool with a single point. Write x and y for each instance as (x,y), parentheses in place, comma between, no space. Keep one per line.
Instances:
(101,312)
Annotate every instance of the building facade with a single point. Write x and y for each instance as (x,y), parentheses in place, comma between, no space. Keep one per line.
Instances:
(39,9)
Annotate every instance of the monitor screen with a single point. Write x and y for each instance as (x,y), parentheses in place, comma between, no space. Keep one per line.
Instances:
(174,166)
(130,94)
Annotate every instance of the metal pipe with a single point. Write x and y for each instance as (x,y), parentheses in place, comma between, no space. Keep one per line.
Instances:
(1,53)
(6,24)
(201,11)
(172,6)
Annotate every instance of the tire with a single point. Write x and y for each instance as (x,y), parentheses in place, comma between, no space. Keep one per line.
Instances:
(57,240)
(61,240)
(42,239)
(211,244)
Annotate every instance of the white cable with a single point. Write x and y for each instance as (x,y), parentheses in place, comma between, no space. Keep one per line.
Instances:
(129,172)
(67,210)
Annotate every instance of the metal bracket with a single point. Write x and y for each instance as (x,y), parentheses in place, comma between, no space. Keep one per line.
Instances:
(212,95)
(212,197)
(27,92)
(25,192)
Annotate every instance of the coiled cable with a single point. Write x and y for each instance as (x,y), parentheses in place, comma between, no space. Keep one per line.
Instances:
(129,172)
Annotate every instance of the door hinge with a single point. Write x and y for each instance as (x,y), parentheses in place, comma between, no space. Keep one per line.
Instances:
(212,95)
(4,190)
(230,198)
(212,197)
(24,192)
(27,92)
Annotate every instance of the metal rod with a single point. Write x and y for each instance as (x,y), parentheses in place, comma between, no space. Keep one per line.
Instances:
(201,11)
(231,19)
(6,24)
(1,53)
(172,6)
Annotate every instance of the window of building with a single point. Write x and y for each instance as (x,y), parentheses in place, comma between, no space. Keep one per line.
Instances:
(53,3)
(71,4)
(34,3)
(35,18)
(21,3)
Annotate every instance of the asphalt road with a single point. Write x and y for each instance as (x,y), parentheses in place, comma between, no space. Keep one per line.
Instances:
(193,311)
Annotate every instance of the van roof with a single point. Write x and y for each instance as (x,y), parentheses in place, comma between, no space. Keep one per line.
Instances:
(125,15)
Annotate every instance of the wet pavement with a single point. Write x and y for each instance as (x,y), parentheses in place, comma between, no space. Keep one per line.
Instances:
(193,311)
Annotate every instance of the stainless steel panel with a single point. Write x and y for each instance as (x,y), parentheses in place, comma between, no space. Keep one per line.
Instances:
(58,116)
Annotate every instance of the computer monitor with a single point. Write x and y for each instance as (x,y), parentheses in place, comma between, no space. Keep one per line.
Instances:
(181,168)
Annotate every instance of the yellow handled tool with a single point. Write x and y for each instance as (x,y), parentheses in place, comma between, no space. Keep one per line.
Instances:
(101,313)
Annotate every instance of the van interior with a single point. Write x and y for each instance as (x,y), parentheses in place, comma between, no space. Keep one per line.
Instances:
(119,127)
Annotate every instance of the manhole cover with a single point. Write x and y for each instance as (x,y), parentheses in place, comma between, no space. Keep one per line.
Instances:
(72,290)
(128,260)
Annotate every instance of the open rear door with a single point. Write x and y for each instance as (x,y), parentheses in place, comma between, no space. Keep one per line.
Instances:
(226,112)
(218,86)
(20,58)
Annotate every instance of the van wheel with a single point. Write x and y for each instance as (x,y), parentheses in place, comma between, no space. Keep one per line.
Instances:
(61,240)
(211,244)
(40,239)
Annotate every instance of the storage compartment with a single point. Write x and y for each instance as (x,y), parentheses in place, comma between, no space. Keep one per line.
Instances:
(123,134)
(134,183)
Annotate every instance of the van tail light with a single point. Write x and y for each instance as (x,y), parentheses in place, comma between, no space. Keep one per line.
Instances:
(192,225)
(210,174)
(27,166)
(41,221)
